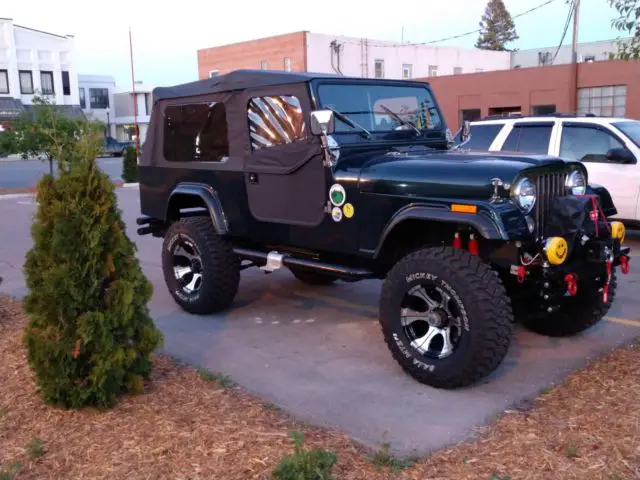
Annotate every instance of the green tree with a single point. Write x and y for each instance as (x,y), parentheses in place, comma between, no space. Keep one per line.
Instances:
(45,130)
(496,27)
(90,335)
(130,165)
(628,21)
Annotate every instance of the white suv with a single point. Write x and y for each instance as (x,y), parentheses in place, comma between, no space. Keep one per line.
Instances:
(609,148)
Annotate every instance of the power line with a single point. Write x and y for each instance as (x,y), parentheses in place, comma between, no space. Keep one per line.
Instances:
(566,29)
(478,30)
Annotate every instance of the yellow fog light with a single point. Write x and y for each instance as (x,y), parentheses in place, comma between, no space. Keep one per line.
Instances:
(618,230)
(556,250)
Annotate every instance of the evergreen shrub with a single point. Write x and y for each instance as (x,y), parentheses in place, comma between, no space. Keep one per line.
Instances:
(90,335)
(130,165)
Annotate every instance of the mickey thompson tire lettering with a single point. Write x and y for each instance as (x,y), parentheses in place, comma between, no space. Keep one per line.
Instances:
(220,266)
(485,308)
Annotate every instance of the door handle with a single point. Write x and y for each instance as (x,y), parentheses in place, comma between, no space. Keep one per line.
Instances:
(253,178)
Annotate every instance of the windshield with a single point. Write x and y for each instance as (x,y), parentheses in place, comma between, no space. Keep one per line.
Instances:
(631,129)
(375,107)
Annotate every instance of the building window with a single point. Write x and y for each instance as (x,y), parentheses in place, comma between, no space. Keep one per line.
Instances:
(603,101)
(275,121)
(99,97)
(83,103)
(26,82)
(471,114)
(407,71)
(214,73)
(46,83)
(543,109)
(457,70)
(589,58)
(264,65)
(433,70)
(287,64)
(4,81)
(196,132)
(66,83)
(379,69)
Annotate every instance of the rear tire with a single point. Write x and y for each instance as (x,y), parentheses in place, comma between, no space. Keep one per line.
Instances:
(472,302)
(200,268)
(576,315)
(312,278)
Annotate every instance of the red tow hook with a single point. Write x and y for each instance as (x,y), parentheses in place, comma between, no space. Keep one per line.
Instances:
(572,284)
(522,273)
(624,264)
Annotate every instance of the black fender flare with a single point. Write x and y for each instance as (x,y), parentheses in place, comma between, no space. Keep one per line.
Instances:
(210,198)
(608,207)
(481,222)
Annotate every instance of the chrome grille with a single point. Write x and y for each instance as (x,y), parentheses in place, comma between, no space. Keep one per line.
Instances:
(548,187)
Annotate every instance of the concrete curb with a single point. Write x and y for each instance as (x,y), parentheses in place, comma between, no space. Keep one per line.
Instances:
(16,195)
(130,185)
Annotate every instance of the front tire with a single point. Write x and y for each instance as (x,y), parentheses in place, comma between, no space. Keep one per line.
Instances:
(200,268)
(576,314)
(446,317)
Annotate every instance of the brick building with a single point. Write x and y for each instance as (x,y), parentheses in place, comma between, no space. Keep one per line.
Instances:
(350,56)
(608,88)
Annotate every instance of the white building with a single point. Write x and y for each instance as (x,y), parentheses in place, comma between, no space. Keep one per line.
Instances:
(124,117)
(351,56)
(96,94)
(587,52)
(35,62)
(361,57)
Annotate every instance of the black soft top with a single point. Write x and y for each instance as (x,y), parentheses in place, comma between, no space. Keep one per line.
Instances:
(243,79)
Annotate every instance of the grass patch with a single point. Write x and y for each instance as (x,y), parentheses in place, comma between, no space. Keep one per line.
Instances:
(35,448)
(223,380)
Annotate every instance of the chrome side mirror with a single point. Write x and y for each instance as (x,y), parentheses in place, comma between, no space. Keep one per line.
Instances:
(323,122)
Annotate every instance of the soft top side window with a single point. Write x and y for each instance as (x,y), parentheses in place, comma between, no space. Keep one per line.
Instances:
(196,132)
(275,120)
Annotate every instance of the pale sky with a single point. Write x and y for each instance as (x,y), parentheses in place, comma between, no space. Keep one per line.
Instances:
(165,40)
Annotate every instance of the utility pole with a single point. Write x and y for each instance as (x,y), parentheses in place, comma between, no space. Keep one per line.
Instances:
(574,56)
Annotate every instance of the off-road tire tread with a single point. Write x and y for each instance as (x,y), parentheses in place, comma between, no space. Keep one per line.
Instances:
(567,322)
(492,314)
(218,261)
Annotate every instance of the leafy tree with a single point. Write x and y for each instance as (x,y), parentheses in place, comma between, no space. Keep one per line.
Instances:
(628,21)
(90,335)
(496,27)
(45,131)
(130,165)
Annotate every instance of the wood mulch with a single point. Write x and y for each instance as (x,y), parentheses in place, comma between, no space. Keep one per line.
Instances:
(188,426)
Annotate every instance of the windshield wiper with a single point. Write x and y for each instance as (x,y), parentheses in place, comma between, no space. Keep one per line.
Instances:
(403,122)
(342,117)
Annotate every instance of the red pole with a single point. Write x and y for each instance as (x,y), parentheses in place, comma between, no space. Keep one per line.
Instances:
(135,100)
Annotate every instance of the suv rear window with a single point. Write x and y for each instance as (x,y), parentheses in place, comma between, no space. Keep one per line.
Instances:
(529,139)
(482,136)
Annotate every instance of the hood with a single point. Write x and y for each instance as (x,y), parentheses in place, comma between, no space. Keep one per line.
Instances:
(446,174)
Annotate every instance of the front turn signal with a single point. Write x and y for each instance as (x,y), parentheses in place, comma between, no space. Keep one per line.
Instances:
(556,250)
(618,231)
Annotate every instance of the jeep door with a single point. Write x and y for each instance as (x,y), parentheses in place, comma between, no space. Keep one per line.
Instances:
(589,144)
(283,162)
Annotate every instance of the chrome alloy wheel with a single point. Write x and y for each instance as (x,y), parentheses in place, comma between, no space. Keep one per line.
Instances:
(187,266)
(431,320)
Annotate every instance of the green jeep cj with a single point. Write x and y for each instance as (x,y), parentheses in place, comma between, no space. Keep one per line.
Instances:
(349,179)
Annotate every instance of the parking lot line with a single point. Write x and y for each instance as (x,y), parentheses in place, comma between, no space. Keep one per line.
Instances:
(624,321)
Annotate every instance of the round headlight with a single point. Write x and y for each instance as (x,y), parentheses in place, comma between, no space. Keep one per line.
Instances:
(576,182)
(524,194)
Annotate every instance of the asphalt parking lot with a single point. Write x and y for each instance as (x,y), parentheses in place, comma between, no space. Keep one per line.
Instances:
(318,352)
